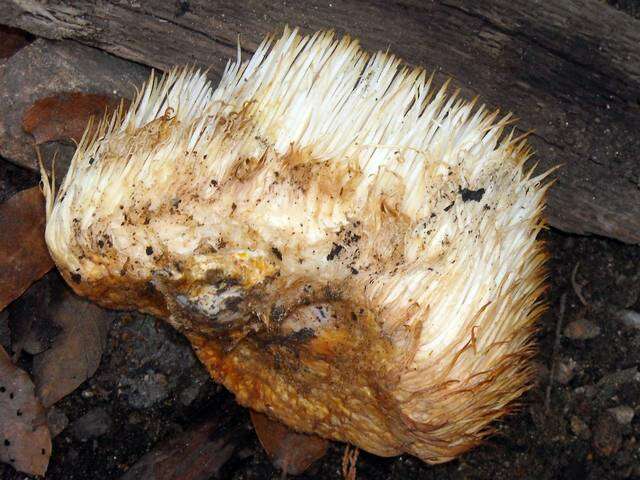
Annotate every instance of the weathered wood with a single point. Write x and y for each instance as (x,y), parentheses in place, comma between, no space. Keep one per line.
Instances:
(44,69)
(569,70)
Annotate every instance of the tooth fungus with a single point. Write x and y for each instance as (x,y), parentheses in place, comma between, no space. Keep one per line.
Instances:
(348,249)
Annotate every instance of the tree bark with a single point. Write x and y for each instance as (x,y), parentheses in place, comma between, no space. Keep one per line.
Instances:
(569,70)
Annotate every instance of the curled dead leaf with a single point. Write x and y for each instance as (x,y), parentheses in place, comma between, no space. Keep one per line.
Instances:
(25,441)
(76,351)
(24,257)
(291,452)
(30,324)
(65,115)
(12,40)
(196,454)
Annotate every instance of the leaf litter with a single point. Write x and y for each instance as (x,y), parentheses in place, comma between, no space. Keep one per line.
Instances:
(65,115)
(25,441)
(24,257)
(76,351)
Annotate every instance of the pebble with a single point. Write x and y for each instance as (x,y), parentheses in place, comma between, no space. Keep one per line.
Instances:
(580,428)
(566,370)
(607,435)
(620,377)
(581,330)
(189,394)
(609,384)
(623,414)
(87,394)
(93,424)
(589,391)
(629,318)
(147,390)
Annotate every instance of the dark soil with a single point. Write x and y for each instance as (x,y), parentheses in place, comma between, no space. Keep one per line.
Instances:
(151,388)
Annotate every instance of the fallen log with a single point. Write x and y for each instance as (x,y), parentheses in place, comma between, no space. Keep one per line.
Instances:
(570,71)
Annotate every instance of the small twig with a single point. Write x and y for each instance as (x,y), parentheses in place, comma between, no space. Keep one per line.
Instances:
(577,288)
(349,460)
(554,354)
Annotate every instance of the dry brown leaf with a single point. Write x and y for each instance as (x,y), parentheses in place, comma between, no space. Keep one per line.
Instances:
(291,452)
(65,115)
(30,324)
(197,454)
(76,350)
(12,40)
(24,257)
(25,441)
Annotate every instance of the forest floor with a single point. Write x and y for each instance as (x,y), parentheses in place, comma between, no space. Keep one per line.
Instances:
(149,386)
(580,420)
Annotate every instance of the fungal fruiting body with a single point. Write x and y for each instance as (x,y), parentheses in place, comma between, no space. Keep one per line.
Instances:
(347,249)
